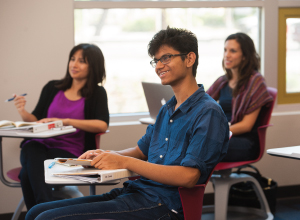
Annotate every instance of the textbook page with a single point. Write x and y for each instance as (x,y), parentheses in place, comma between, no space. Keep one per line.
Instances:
(73,161)
(16,124)
(32,126)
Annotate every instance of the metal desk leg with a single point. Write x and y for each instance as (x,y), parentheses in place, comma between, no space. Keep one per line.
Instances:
(92,190)
(2,177)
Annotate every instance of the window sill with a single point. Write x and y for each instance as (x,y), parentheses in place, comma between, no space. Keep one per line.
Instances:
(127,119)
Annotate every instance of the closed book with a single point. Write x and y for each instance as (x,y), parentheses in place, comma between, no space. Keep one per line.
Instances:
(94,175)
(46,126)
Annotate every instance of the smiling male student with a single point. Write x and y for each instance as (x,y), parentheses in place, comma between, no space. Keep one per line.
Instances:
(189,138)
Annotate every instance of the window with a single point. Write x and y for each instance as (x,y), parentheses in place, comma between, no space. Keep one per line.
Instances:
(123,35)
(289,56)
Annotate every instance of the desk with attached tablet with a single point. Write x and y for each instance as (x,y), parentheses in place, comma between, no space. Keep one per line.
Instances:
(58,168)
(26,134)
(287,152)
(13,173)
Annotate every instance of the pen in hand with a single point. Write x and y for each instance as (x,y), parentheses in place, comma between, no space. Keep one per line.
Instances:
(11,99)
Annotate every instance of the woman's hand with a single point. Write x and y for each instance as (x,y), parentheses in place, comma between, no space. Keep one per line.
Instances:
(20,103)
(91,125)
(46,120)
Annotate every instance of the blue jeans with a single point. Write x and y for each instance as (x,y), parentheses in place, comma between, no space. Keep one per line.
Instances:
(117,204)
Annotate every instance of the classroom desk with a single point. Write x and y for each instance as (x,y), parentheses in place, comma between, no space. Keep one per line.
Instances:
(287,152)
(57,168)
(25,134)
(147,121)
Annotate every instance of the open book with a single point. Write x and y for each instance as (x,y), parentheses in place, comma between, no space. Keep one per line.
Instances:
(29,126)
(73,161)
(16,124)
(94,175)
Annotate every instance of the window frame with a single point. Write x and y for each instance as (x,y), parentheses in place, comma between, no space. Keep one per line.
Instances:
(283,96)
(268,39)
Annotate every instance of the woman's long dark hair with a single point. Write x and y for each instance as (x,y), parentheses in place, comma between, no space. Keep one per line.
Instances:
(249,64)
(96,70)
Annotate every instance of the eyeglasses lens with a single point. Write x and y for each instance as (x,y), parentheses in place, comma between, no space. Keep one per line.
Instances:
(165,59)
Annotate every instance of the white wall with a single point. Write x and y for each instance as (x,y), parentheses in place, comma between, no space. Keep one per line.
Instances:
(35,39)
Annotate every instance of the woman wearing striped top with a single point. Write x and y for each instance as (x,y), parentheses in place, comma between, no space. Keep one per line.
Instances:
(242,93)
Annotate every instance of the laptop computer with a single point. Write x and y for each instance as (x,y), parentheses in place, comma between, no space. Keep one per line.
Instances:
(290,152)
(156,96)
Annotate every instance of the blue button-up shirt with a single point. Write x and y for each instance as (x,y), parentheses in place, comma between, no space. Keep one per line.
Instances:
(195,135)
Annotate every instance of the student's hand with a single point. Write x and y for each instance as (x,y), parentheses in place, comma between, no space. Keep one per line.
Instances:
(91,154)
(108,160)
(19,102)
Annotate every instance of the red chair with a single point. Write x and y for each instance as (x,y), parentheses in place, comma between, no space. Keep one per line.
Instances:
(64,192)
(192,200)
(224,178)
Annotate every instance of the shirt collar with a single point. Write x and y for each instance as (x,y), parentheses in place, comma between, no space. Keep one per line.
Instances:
(187,104)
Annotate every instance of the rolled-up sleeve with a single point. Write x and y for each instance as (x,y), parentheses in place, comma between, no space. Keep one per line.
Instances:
(144,142)
(209,142)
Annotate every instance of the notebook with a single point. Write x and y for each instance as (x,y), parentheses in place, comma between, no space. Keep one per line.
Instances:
(291,152)
(156,96)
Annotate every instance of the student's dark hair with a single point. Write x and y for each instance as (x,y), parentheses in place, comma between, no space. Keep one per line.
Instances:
(96,70)
(181,40)
(249,64)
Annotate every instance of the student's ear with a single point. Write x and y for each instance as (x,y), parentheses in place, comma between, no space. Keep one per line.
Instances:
(191,57)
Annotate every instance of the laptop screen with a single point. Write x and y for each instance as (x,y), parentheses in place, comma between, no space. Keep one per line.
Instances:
(156,96)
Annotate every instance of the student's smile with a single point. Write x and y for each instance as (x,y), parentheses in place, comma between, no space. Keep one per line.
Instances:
(173,71)
(161,74)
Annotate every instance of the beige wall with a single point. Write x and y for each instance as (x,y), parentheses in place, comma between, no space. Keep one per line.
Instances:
(35,39)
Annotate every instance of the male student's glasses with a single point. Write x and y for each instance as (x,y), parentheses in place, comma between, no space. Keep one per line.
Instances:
(165,59)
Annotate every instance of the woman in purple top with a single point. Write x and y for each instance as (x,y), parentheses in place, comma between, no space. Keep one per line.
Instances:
(242,93)
(77,100)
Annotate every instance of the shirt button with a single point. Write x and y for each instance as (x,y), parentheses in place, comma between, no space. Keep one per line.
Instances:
(171,121)
(166,139)
(161,156)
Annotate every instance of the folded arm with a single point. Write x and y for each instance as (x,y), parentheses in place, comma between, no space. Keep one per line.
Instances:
(246,124)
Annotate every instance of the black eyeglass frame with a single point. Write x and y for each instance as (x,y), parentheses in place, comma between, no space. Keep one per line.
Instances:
(154,62)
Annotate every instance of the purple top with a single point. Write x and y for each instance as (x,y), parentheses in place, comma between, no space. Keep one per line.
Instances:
(61,107)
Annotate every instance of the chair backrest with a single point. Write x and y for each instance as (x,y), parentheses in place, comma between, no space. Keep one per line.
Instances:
(97,138)
(265,117)
(192,201)
(266,111)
